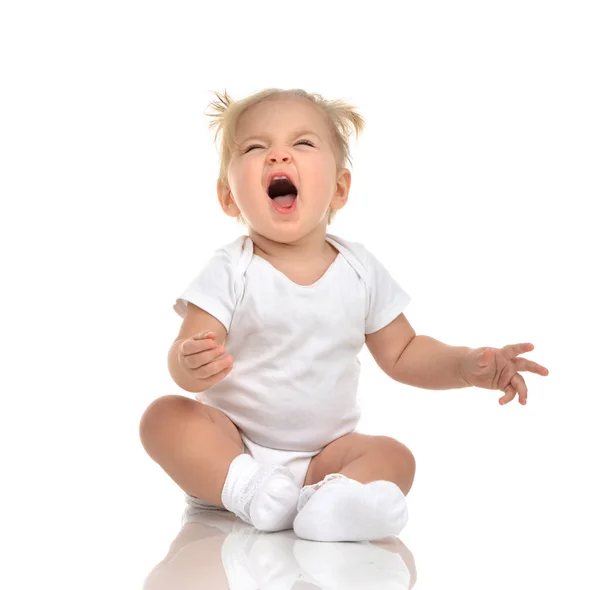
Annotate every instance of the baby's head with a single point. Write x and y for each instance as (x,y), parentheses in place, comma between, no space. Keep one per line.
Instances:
(292,132)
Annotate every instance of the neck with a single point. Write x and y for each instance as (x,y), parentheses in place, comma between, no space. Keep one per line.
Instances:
(312,245)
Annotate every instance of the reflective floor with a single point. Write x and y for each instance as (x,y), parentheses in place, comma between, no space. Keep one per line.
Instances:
(214,549)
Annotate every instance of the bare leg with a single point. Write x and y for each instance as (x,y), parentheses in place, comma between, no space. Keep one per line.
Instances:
(374,465)
(194,444)
(365,458)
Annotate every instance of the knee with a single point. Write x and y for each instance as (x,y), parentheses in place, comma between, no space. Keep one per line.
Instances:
(399,453)
(159,415)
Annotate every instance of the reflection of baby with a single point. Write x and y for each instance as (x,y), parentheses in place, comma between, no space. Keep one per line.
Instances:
(271,434)
(214,551)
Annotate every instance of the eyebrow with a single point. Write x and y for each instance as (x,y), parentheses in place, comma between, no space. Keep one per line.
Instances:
(293,135)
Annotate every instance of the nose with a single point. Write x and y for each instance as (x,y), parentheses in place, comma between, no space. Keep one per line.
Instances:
(279,155)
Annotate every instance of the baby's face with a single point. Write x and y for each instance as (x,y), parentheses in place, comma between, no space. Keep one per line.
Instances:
(290,136)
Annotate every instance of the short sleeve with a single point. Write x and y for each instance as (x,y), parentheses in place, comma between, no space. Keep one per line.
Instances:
(386,298)
(213,289)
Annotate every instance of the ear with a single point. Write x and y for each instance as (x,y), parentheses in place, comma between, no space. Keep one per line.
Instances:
(225,195)
(340,197)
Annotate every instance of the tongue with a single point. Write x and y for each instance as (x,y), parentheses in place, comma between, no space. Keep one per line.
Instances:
(285,201)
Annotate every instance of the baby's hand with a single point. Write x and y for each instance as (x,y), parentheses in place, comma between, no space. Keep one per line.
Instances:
(497,368)
(203,360)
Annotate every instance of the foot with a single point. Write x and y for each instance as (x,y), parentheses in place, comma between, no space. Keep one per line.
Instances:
(265,496)
(343,509)
(274,505)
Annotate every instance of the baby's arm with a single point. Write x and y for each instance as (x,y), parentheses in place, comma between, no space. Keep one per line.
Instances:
(420,361)
(195,321)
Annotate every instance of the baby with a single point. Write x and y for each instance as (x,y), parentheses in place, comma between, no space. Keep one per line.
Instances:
(272,326)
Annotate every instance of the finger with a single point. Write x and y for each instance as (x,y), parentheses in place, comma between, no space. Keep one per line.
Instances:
(506,375)
(201,335)
(195,361)
(192,346)
(527,365)
(509,395)
(513,350)
(211,369)
(218,376)
(519,384)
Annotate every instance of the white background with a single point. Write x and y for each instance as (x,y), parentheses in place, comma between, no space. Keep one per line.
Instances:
(476,183)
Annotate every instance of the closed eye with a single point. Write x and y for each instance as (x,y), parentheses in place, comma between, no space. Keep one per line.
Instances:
(251,147)
(302,141)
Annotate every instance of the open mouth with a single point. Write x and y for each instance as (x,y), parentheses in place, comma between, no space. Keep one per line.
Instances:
(283,192)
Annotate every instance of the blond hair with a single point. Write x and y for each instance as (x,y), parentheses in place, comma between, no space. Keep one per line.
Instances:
(342,119)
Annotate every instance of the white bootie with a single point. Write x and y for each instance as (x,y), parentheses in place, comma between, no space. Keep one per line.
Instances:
(343,509)
(265,496)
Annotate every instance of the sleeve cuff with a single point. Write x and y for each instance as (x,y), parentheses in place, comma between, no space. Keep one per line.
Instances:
(388,315)
(214,308)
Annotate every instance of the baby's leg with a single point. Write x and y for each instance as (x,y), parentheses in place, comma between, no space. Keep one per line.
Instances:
(194,443)
(361,496)
(202,451)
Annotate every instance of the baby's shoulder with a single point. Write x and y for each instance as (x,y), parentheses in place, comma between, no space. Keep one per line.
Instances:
(235,248)
(235,254)
(351,249)
(356,254)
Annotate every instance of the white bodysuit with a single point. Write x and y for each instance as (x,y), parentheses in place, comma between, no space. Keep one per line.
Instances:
(295,372)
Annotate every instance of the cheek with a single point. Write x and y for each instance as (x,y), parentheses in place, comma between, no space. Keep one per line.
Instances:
(323,176)
(242,175)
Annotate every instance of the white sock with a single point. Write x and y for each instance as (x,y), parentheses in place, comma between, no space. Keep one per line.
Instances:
(343,509)
(265,496)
